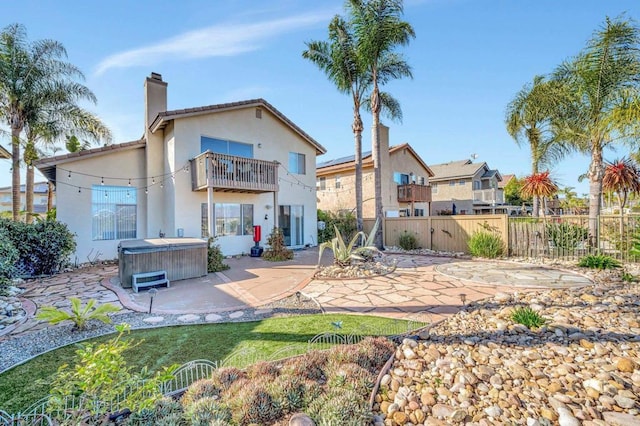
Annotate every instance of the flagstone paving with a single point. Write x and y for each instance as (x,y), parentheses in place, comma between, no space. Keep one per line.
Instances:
(422,288)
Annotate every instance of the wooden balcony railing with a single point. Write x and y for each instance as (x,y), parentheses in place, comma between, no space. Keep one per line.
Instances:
(228,173)
(414,193)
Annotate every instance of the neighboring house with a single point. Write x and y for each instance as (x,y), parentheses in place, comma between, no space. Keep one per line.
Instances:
(40,190)
(505,181)
(405,182)
(4,153)
(464,187)
(224,168)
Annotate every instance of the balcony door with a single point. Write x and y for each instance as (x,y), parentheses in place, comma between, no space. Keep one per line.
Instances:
(291,221)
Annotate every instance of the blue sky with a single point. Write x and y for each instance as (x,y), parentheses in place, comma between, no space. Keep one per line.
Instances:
(469,59)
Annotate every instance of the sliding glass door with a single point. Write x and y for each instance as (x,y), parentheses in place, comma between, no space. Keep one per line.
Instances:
(291,221)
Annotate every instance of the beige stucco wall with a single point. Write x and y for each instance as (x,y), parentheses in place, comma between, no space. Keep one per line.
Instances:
(344,198)
(240,125)
(74,208)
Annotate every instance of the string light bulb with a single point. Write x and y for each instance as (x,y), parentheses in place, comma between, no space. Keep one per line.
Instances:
(146,190)
(101,181)
(69,176)
(129,184)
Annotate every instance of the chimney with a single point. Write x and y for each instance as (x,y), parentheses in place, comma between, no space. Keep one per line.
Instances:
(155,97)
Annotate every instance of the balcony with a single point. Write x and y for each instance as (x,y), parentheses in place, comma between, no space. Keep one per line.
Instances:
(414,193)
(488,196)
(228,173)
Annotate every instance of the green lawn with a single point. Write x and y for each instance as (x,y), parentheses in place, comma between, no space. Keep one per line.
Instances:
(27,383)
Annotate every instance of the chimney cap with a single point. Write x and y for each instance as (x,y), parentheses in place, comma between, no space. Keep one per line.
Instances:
(156,76)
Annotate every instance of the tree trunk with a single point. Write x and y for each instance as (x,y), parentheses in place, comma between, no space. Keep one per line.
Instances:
(375,145)
(29,156)
(49,196)
(28,193)
(534,171)
(15,169)
(596,173)
(357,134)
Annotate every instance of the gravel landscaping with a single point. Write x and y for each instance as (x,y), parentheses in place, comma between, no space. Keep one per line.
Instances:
(480,368)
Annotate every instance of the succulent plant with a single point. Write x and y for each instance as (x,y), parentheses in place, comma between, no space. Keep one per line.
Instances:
(200,389)
(224,377)
(290,392)
(254,404)
(345,407)
(263,369)
(310,366)
(205,410)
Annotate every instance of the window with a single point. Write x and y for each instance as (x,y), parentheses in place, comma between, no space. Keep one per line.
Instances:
(421,180)
(418,212)
(114,212)
(452,183)
(321,184)
(338,182)
(461,182)
(434,188)
(296,163)
(230,219)
(400,178)
(222,146)
(476,185)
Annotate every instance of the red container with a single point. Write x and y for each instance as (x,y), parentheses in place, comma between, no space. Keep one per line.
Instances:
(257,233)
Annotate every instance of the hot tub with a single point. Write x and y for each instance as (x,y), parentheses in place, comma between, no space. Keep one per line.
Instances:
(181,258)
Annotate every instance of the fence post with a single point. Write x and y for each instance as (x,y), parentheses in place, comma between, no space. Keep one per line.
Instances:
(429,234)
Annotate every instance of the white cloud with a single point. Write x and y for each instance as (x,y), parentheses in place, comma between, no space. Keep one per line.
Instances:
(219,40)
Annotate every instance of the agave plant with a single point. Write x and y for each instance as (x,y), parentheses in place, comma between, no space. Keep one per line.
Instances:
(344,253)
(79,315)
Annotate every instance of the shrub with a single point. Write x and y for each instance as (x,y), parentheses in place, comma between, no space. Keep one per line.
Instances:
(527,317)
(566,236)
(9,256)
(277,251)
(43,246)
(215,259)
(344,221)
(101,373)
(408,241)
(599,261)
(79,315)
(486,244)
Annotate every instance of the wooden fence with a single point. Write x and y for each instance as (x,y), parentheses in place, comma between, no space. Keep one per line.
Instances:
(441,233)
(558,237)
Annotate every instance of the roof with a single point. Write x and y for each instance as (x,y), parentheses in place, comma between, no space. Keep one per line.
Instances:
(505,180)
(47,166)
(4,153)
(348,162)
(38,188)
(461,169)
(163,118)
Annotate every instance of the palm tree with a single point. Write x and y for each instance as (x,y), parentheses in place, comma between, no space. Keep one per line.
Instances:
(530,117)
(48,121)
(539,185)
(605,79)
(338,59)
(28,71)
(622,177)
(379,29)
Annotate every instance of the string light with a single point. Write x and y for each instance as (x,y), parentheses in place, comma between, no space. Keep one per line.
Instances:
(146,190)
(129,184)
(69,176)
(101,181)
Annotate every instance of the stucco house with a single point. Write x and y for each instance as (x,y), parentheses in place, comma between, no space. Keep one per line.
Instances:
(224,168)
(405,182)
(465,187)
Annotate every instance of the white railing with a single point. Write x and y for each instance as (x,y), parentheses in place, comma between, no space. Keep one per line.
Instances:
(489,196)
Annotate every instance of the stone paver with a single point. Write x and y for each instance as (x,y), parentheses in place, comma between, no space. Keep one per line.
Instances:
(421,285)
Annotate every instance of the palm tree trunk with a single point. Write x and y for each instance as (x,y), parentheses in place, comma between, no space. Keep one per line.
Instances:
(357,134)
(534,171)
(28,193)
(49,196)
(596,173)
(375,142)
(15,169)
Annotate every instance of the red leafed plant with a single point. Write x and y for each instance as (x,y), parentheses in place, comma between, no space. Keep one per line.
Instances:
(538,185)
(621,176)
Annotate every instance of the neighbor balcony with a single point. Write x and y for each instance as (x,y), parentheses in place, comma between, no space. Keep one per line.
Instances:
(414,193)
(228,173)
(488,196)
